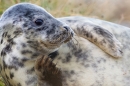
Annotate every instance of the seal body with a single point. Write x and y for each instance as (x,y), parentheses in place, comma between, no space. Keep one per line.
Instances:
(97,55)
(84,64)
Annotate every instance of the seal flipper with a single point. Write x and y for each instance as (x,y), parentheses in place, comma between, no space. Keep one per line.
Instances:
(47,72)
(100,37)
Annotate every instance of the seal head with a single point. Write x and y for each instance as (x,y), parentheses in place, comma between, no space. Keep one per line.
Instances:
(36,26)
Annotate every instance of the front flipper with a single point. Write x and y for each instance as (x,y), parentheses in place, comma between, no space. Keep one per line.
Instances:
(97,35)
(47,72)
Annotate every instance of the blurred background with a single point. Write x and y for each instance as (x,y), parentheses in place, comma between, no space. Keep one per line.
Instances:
(117,11)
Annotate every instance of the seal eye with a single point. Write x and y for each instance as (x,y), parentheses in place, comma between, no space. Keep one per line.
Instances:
(39,22)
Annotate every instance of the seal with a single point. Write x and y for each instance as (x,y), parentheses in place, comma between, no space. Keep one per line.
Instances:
(31,38)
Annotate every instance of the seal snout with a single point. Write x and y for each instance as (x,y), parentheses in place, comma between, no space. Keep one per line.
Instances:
(70,33)
(68,30)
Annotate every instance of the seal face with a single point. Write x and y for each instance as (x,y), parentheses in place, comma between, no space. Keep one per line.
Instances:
(28,31)
(37,26)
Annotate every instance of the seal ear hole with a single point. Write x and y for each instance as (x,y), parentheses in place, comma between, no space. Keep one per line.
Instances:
(38,22)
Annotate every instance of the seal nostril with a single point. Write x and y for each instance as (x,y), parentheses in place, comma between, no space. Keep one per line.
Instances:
(67,28)
(72,34)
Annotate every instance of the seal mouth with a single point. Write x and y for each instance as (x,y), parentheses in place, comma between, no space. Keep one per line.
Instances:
(57,40)
(60,39)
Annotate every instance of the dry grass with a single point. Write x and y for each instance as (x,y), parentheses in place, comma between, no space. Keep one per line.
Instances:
(112,10)
(57,8)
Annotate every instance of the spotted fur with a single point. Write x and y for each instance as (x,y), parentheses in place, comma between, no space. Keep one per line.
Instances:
(81,57)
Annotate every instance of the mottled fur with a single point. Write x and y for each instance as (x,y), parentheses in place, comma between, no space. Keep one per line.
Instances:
(25,48)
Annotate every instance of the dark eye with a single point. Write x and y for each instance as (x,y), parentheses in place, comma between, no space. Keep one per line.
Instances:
(39,22)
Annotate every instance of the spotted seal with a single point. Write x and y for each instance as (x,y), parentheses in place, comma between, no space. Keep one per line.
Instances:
(28,32)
